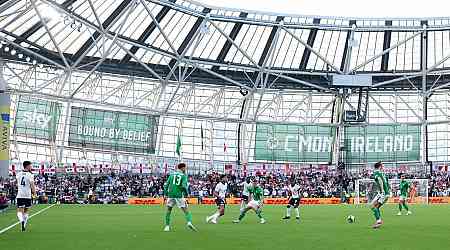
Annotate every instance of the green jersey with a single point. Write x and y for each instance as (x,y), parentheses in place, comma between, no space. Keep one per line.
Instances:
(176,185)
(404,188)
(381,182)
(257,193)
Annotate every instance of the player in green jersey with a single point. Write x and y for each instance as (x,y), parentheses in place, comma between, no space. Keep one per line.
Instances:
(175,190)
(383,192)
(404,191)
(256,202)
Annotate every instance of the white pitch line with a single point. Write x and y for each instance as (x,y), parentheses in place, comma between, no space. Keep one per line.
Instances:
(17,223)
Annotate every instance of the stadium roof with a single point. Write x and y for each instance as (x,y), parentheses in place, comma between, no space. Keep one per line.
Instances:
(186,41)
(347,8)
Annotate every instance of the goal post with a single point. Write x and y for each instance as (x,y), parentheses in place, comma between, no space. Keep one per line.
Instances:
(365,191)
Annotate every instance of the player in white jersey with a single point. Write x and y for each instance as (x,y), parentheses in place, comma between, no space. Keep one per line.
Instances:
(245,194)
(220,193)
(26,191)
(294,200)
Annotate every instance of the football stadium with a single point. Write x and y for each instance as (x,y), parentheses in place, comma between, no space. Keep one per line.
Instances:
(179,124)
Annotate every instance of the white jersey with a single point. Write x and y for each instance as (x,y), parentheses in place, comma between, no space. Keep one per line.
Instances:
(24,181)
(295,191)
(246,186)
(221,189)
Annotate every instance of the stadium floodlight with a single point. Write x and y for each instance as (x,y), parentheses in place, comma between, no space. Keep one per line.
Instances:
(204,27)
(13,52)
(48,12)
(28,59)
(6,49)
(20,55)
(353,43)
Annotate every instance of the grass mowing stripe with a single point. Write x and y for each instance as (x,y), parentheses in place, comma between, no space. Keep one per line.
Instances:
(31,216)
(118,227)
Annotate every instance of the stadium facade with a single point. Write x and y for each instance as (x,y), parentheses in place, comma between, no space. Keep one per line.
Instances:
(136,81)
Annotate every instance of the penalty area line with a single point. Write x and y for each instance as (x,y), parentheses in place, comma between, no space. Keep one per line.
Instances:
(31,216)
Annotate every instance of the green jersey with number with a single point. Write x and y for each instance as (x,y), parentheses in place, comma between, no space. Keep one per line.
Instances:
(257,193)
(381,182)
(404,188)
(176,185)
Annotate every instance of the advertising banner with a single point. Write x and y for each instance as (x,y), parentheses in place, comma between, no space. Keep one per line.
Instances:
(113,130)
(5,102)
(284,201)
(314,143)
(145,201)
(37,118)
(387,143)
(293,143)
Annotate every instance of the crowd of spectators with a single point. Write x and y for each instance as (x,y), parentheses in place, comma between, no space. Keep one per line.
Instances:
(117,189)
(439,184)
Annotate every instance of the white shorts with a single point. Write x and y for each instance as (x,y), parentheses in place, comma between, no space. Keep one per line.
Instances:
(402,198)
(180,202)
(255,204)
(379,198)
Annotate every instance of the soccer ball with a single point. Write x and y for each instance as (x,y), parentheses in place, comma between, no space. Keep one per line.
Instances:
(351,219)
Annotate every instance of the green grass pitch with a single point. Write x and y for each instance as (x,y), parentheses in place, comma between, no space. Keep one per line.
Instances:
(140,227)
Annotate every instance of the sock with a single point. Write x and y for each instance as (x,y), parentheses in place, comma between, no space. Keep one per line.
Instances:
(188,217)
(259,214)
(297,211)
(400,207)
(288,212)
(216,216)
(379,214)
(376,213)
(25,218)
(168,217)
(406,206)
(20,216)
(242,215)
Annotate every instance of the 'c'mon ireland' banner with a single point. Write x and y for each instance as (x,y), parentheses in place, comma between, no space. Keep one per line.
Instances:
(386,143)
(294,143)
(113,130)
(37,118)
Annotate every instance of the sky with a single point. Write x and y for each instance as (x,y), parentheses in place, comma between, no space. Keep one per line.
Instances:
(346,8)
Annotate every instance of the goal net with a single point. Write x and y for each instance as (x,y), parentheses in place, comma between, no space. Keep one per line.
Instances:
(365,191)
